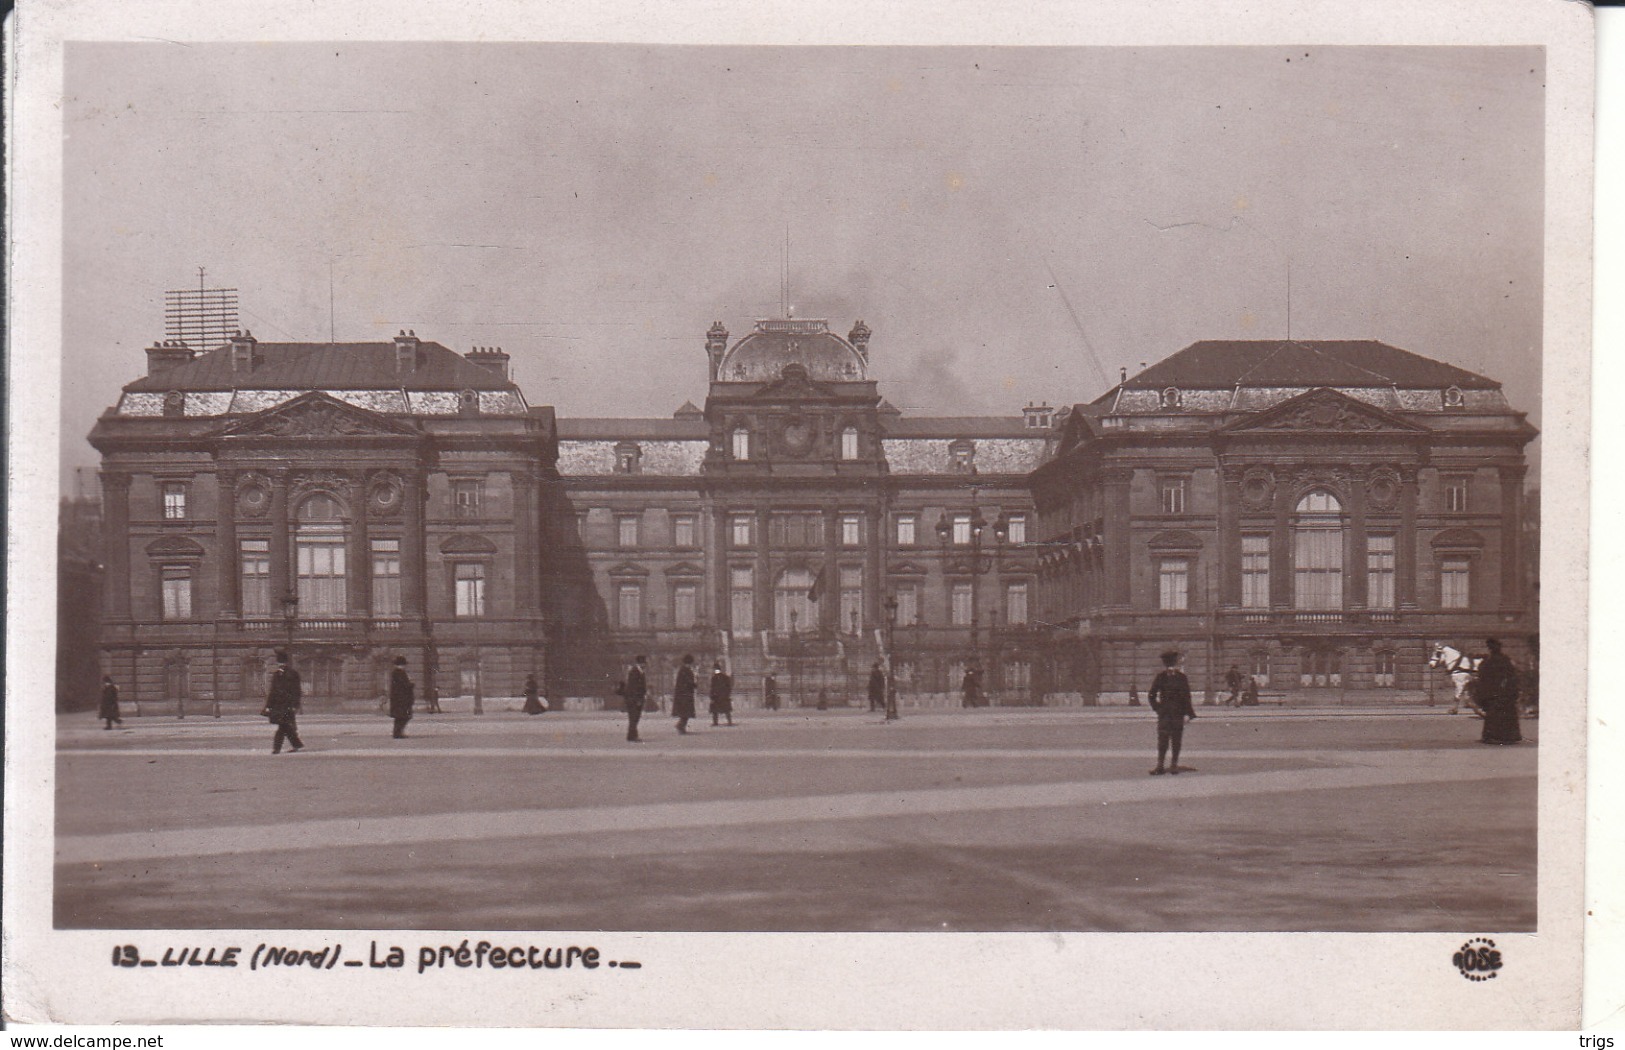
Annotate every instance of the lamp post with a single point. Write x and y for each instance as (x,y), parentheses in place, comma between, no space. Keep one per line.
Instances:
(891,676)
(978,565)
(795,661)
(290,614)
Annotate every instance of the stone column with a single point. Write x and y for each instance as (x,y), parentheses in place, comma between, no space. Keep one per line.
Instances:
(1229,538)
(829,598)
(1405,545)
(1512,597)
(1355,546)
(116,543)
(720,567)
(1115,487)
(358,578)
(413,567)
(763,583)
(524,542)
(283,580)
(1281,547)
(874,583)
(225,535)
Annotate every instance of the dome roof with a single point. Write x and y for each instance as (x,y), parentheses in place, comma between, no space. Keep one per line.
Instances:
(761,356)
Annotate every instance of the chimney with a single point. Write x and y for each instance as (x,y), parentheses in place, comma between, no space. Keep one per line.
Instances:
(406,353)
(242,352)
(167,356)
(716,344)
(859,338)
(490,357)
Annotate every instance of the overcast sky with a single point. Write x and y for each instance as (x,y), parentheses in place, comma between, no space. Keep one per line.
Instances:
(1014,224)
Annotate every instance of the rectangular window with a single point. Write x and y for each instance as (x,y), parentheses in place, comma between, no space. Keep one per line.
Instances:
(1259,664)
(961,533)
(1016,528)
(626,531)
(1455,583)
(851,530)
(741,601)
(629,606)
(906,526)
(685,605)
(1382,675)
(256,577)
(741,443)
(386,578)
(682,530)
(1455,494)
(465,498)
(177,592)
(796,529)
(1379,571)
(321,566)
(851,578)
(1015,604)
(908,604)
(1173,495)
(1317,568)
(960,600)
(849,443)
(1255,572)
(739,530)
(469,582)
(1173,584)
(174,501)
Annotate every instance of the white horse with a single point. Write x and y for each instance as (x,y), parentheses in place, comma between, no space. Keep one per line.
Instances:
(1462,669)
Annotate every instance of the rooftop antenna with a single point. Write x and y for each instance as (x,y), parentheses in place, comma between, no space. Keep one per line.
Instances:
(1289,300)
(332,339)
(784,277)
(202,317)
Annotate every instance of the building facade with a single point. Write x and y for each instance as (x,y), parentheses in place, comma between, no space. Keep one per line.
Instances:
(795,524)
(1316,514)
(353,502)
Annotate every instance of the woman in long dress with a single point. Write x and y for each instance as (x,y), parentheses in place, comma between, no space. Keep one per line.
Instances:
(1495,688)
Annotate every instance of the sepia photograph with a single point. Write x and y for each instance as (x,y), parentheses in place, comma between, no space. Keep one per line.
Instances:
(1004,493)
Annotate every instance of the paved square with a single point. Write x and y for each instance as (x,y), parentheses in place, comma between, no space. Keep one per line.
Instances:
(967,820)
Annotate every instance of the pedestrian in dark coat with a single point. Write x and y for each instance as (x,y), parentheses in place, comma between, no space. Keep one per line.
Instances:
(1234,680)
(634,689)
(1170,698)
(877,687)
(770,692)
(282,704)
(1495,690)
(972,686)
(402,696)
(533,697)
(722,693)
(682,695)
(108,711)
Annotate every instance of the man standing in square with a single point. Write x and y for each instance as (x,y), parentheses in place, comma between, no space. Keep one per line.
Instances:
(634,690)
(1170,698)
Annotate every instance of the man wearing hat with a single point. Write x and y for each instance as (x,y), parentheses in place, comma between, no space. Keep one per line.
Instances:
(282,705)
(402,696)
(1170,698)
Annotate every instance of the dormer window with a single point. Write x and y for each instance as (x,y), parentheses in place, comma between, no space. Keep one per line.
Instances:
(849,443)
(468,403)
(1454,398)
(962,456)
(1172,397)
(1038,417)
(741,443)
(628,458)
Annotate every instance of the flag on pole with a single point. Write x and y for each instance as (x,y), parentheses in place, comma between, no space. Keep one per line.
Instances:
(818,586)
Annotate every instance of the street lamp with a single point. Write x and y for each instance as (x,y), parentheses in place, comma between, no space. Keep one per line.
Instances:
(290,613)
(978,564)
(891,675)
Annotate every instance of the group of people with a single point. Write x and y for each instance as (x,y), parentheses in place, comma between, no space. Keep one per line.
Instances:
(634,693)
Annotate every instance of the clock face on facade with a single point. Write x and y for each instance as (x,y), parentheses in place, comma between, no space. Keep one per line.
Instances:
(253,499)
(797,436)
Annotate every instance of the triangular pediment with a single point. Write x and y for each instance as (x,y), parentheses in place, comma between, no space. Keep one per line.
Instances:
(318,415)
(794,383)
(684,568)
(907,568)
(1322,411)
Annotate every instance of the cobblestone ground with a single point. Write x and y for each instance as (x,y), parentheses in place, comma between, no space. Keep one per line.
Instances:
(978,820)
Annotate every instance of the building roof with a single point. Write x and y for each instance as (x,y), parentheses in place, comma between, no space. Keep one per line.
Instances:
(761,355)
(962,427)
(1226,363)
(601,429)
(326,366)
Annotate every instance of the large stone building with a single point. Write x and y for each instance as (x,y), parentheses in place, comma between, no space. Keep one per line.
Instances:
(795,522)
(355,501)
(1317,514)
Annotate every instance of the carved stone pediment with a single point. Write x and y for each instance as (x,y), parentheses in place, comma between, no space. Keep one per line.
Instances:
(174,547)
(793,383)
(1321,411)
(1176,540)
(907,568)
(468,543)
(316,415)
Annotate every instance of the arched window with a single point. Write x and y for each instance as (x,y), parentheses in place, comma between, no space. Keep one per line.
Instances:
(319,548)
(741,443)
(849,443)
(1317,552)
